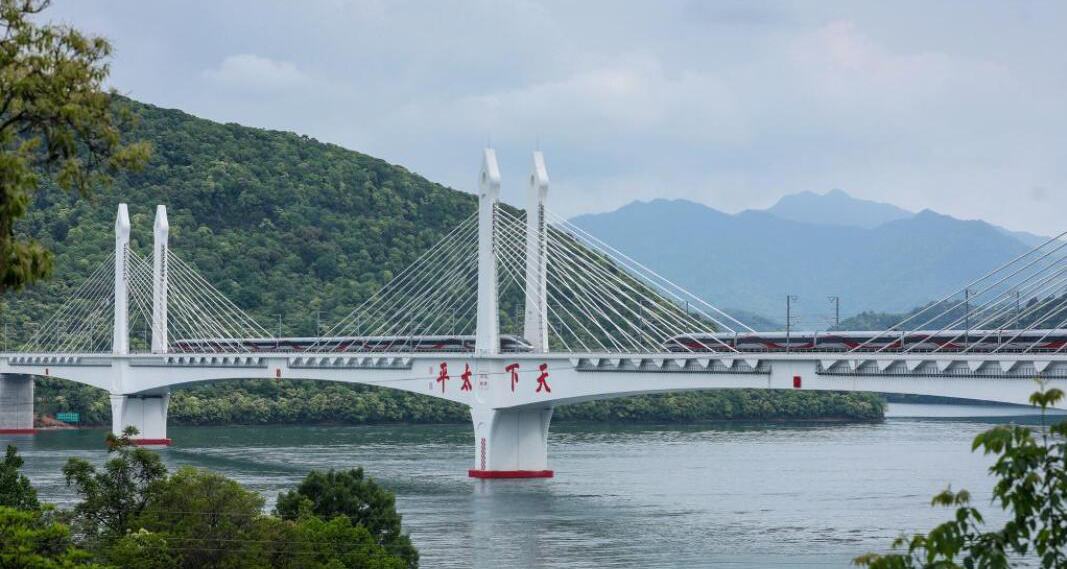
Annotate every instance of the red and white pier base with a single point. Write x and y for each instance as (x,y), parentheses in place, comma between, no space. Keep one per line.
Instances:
(511,443)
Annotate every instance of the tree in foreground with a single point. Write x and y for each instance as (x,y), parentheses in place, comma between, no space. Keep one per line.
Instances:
(350,495)
(1031,484)
(56,121)
(113,497)
(30,541)
(15,489)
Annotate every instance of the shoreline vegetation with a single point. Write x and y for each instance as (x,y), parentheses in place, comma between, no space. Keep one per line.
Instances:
(266,402)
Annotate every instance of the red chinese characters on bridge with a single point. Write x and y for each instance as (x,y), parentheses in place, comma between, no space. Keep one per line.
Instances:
(542,380)
(442,377)
(514,369)
(466,377)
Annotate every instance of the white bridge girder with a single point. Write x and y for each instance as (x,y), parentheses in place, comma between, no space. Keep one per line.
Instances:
(512,380)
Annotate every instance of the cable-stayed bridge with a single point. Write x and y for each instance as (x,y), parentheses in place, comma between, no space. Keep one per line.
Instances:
(595,324)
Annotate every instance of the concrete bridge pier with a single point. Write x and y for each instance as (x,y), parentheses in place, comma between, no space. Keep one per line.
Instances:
(145,411)
(16,404)
(511,443)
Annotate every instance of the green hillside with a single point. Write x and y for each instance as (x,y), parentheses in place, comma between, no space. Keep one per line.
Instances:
(296,232)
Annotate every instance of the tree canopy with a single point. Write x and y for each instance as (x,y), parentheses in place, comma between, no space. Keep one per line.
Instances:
(349,495)
(16,491)
(56,122)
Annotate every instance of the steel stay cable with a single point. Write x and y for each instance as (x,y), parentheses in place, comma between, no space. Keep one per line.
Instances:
(423,289)
(1031,310)
(578,302)
(572,299)
(95,283)
(425,295)
(213,307)
(427,305)
(510,264)
(1003,304)
(1058,328)
(969,285)
(460,293)
(1058,309)
(386,306)
(191,315)
(180,313)
(1033,291)
(78,292)
(662,325)
(143,293)
(73,325)
(456,279)
(604,299)
(673,318)
(225,302)
(195,312)
(548,322)
(443,247)
(399,278)
(984,306)
(595,303)
(958,304)
(579,243)
(541,273)
(637,267)
(82,319)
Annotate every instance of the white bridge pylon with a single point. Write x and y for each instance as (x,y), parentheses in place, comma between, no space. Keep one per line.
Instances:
(594,324)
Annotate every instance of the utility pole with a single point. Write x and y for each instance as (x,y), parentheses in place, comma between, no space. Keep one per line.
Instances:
(789,300)
(966,315)
(837,309)
(1016,310)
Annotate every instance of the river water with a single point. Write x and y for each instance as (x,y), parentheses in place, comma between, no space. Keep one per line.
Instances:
(720,495)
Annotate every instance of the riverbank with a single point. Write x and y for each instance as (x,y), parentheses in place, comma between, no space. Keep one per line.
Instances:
(265,402)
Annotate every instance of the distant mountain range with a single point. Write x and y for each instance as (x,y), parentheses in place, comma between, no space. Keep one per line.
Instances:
(875,256)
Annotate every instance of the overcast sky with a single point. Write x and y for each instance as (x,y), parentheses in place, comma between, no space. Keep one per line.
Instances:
(953,106)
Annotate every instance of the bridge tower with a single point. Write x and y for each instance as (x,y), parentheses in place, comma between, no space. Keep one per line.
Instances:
(535,322)
(487,336)
(508,442)
(160,287)
(147,411)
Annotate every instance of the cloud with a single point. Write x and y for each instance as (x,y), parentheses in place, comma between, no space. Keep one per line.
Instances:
(253,72)
(731,103)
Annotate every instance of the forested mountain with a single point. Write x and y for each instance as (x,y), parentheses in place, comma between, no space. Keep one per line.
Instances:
(295,232)
(753,259)
(285,226)
(836,208)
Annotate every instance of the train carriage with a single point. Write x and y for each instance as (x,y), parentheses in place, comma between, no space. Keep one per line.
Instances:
(345,344)
(840,341)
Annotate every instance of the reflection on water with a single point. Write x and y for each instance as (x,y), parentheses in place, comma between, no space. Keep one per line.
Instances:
(755,495)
